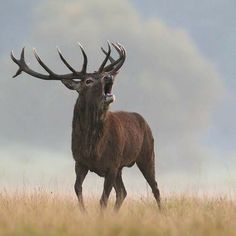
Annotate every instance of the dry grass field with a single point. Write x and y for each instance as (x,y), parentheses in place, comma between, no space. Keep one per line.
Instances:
(43,213)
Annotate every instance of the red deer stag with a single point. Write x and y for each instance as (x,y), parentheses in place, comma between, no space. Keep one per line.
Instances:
(102,141)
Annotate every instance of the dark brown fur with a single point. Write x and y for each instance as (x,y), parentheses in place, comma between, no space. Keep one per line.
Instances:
(104,142)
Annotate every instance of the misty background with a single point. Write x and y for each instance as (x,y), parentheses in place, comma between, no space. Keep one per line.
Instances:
(179,74)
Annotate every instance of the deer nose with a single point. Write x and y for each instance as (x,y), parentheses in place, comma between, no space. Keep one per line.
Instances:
(108,79)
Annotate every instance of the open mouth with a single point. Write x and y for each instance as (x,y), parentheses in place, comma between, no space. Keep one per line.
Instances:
(108,88)
(109,97)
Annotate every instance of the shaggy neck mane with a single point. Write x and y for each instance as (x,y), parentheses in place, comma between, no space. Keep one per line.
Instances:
(88,126)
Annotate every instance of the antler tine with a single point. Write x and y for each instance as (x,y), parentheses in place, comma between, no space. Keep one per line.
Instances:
(106,53)
(84,68)
(18,62)
(22,55)
(106,58)
(123,57)
(50,72)
(65,62)
(118,48)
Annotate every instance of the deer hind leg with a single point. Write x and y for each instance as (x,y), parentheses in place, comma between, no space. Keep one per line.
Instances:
(120,191)
(148,170)
(81,173)
(110,179)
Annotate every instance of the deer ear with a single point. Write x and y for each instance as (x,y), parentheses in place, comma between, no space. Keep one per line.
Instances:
(71,84)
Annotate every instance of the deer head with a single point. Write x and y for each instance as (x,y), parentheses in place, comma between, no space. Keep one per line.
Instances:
(93,88)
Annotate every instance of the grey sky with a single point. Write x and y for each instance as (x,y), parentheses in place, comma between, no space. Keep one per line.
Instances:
(179,74)
(212,26)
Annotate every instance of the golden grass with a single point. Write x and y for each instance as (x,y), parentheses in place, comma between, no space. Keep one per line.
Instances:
(42,213)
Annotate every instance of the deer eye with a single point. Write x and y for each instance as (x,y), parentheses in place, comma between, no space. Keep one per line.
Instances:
(88,81)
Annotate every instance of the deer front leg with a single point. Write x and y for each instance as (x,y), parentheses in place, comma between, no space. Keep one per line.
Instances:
(108,184)
(120,191)
(81,173)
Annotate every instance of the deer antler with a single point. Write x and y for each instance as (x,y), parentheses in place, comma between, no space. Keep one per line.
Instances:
(106,53)
(112,68)
(23,67)
(106,58)
(115,64)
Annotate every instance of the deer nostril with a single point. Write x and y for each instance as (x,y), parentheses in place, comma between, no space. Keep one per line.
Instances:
(108,78)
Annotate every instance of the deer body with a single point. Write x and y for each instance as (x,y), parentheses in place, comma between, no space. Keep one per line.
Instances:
(102,141)
(111,146)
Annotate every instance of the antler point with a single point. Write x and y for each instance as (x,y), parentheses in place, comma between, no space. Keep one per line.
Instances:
(58,49)
(79,44)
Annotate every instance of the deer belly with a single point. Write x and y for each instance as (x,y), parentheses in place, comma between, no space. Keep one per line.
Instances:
(131,151)
(95,167)
(99,172)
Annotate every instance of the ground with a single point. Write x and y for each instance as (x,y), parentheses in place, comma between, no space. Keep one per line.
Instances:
(44,213)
